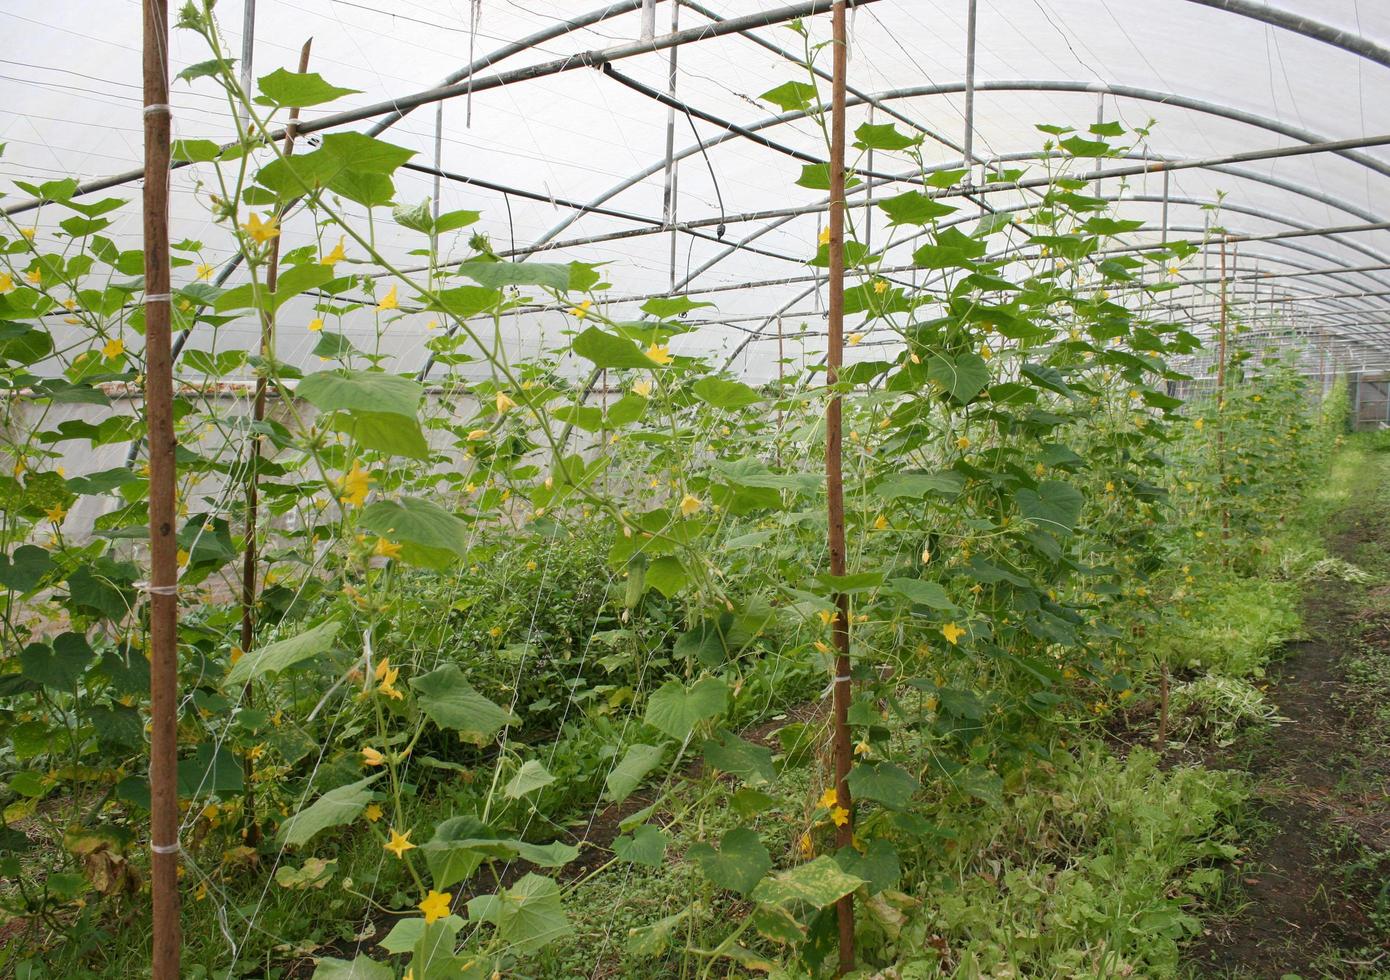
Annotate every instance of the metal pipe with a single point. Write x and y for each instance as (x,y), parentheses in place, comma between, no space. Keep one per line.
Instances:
(970,19)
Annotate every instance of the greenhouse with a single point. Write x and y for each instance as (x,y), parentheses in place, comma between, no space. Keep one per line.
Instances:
(695,488)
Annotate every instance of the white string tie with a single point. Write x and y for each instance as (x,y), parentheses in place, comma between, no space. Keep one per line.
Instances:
(173,848)
(157,589)
(158,297)
(154,107)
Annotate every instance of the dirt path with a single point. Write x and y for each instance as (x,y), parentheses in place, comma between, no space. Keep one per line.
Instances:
(1312,896)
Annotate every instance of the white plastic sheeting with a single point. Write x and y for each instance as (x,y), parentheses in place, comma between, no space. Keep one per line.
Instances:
(1206,81)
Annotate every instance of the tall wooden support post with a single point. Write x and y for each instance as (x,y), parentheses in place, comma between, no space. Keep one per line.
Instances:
(163,576)
(1221,406)
(834,478)
(249,555)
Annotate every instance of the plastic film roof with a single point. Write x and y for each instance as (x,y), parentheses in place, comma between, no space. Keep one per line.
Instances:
(1207,81)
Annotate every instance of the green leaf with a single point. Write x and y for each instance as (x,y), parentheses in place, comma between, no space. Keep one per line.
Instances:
(295,280)
(608,351)
(286,89)
(819,883)
(883,783)
(924,593)
(1079,146)
(365,154)
(528,915)
(964,375)
(646,846)
(884,137)
(948,483)
(392,434)
(667,575)
(532,776)
(283,654)
(638,761)
(952,249)
(738,757)
(816,177)
(360,967)
(791,96)
(407,932)
(451,702)
(334,808)
(676,709)
(464,302)
(212,770)
(192,151)
(1055,505)
(366,391)
(914,208)
(414,520)
(204,69)
(728,395)
(738,865)
(26,568)
(553,275)
(60,667)
(664,308)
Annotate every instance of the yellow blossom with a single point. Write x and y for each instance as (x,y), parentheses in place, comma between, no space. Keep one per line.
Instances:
(985,352)
(854,338)
(399,843)
(373,812)
(29,233)
(963,442)
(262,231)
(495,632)
(35,276)
(316,324)
(690,505)
(840,816)
(828,799)
(335,256)
(805,846)
(1109,486)
(69,304)
(182,557)
(113,348)
(6,282)
(881,286)
(355,486)
(504,402)
(953,633)
(880,523)
(862,748)
(386,549)
(387,684)
(658,353)
(56,513)
(642,389)
(432,325)
(389,301)
(435,906)
(204,272)
(371,757)
(825,236)
(477,434)
(582,310)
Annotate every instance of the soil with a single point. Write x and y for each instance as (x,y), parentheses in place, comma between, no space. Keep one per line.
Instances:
(1309,896)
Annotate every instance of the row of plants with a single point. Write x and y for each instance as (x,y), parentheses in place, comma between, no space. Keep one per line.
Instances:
(493,608)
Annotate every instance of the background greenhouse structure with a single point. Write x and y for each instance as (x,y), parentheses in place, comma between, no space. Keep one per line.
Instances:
(1242,165)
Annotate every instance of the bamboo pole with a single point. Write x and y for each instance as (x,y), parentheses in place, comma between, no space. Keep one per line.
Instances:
(834,477)
(249,554)
(163,578)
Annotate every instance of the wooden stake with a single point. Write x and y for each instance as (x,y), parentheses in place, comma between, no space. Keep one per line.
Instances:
(834,478)
(163,578)
(249,556)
